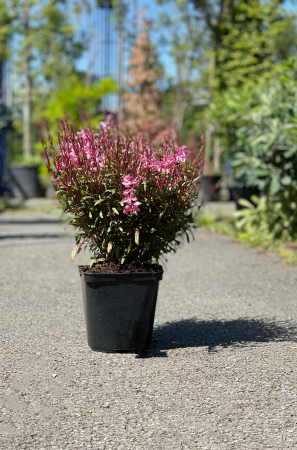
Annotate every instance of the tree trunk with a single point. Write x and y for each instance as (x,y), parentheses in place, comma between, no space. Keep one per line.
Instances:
(211,82)
(179,107)
(212,65)
(55,62)
(27,96)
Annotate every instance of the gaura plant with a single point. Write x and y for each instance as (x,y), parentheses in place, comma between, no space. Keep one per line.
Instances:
(128,200)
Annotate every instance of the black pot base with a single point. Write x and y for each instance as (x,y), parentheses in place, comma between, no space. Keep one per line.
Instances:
(111,351)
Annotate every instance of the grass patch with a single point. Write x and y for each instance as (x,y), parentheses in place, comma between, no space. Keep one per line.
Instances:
(285,249)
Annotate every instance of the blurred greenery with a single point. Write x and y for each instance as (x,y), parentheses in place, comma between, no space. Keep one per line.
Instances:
(258,130)
(46,39)
(252,38)
(255,234)
(33,160)
(79,103)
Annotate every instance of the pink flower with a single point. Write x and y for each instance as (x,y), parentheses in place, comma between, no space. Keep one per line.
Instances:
(130,198)
(128,192)
(182,153)
(131,202)
(129,209)
(130,183)
(186,151)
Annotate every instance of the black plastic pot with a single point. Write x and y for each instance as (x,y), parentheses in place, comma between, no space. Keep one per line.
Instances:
(120,310)
(243,192)
(210,188)
(24,182)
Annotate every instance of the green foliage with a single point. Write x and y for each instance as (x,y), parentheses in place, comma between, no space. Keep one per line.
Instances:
(53,41)
(249,234)
(78,102)
(274,218)
(258,130)
(6,17)
(256,223)
(258,127)
(183,36)
(265,152)
(57,42)
(46,45)
(33,160)
(246,53)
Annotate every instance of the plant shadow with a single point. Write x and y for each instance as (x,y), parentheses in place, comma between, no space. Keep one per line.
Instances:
(220,333)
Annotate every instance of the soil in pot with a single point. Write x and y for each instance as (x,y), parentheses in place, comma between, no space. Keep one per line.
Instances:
(119,305)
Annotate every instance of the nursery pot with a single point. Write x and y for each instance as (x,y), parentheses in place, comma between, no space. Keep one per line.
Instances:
(24,182)
(120,310)
(210,188)
(243,192)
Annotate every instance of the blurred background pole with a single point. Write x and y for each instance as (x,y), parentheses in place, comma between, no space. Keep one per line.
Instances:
(2,128)
(27,98)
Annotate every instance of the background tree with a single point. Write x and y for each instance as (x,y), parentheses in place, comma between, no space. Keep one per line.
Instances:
(249,36)
(182,32)
(144,97)
(59,43)
(241,41)
(46,46)
(213,14)
(6,18)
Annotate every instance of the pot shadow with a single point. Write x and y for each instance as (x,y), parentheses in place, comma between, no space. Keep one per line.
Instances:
(215,334)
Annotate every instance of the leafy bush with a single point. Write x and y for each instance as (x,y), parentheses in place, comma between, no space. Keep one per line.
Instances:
(129,202)
(258,131)
(265,222)
(78,102)
(259,128)
(266,147)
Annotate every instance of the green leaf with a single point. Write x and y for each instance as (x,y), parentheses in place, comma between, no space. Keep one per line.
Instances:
(255,199)
(137,237)
(275,184)
(100,214)
(286,180)
(245,203)
(92,261)
(115,211)
(90,215)
(99,201)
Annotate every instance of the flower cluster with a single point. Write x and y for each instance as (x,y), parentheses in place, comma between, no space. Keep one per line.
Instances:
(129,200)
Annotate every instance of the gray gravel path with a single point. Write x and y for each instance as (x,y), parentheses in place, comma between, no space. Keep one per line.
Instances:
(221,373)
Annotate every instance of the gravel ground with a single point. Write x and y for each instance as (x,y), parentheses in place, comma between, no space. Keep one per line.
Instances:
(221,373)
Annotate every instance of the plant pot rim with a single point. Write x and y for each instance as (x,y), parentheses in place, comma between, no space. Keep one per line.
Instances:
(110,275)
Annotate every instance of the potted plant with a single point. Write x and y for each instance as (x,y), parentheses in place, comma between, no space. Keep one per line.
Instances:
(24,180)
(129,203)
